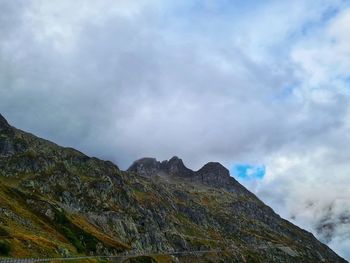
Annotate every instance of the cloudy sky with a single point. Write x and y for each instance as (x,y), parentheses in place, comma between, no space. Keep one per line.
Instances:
(260,86)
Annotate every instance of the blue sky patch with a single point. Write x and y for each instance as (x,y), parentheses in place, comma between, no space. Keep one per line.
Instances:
(248,171)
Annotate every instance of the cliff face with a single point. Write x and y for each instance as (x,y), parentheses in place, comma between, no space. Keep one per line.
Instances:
(212,174)
(57,201)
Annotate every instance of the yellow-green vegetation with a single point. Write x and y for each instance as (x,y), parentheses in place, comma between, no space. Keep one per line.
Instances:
(23,229)
(163,258)
(141,259)
(94,231)
(87,260)
(58,202)
(141,196)
(26,233)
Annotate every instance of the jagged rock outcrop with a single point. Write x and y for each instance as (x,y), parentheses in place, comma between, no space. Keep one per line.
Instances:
(176,167)
(146,167)
(215,174)
(56,201)
(211,174)
(4,124)
(7,133)
(149,167)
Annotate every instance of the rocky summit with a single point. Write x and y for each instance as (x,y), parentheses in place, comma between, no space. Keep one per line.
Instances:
(58,202)
(212,174)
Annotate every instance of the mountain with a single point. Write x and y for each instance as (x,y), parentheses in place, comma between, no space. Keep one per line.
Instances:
(56,201)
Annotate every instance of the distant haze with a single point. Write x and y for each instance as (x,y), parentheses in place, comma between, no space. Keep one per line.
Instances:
(260,83)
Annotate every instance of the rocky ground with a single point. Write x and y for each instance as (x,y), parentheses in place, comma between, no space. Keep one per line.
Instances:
(56,201)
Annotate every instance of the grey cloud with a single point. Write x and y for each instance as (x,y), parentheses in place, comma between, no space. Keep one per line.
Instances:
(157,79)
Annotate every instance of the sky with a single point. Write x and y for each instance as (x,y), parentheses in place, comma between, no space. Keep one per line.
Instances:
(261,86)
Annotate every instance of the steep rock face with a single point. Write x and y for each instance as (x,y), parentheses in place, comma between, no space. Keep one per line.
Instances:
(215,174)
(4,124)
(145,167)
(212,174)
(148,167)
(6,136)
(176,167)
(57,201)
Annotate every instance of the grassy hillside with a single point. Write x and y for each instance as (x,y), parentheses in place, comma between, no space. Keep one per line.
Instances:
(56,201)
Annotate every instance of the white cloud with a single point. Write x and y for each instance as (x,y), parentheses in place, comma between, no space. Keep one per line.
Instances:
(313,174)
(258,82)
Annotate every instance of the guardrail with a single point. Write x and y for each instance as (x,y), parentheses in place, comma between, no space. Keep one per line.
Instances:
(121,256)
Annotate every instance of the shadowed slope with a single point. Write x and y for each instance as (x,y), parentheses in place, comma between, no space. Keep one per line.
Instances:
(57,201)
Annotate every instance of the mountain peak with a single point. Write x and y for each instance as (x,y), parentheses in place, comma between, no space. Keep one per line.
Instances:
(215,174)
(175,166)
(112,212)
(150,166)
(145,166)
(212,173)
(175,159)
(7,130)
(4,125)
(175,162)
(214,168)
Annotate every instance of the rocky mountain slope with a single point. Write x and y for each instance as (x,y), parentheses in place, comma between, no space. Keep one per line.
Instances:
(56,201)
